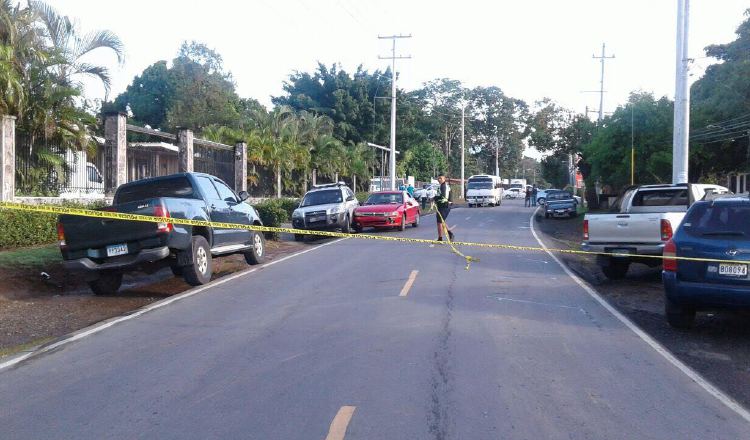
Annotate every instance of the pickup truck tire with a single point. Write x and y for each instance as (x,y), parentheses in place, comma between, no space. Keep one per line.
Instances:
(679,316)
(299,237)
(200,271)
(616,269)
(257,254)
(108,283)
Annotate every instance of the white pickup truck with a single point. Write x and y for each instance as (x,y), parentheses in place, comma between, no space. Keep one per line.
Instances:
(640,222)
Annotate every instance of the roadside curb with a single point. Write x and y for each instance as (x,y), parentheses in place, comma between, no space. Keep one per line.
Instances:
(696,377)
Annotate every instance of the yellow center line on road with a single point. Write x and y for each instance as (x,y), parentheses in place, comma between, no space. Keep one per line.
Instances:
(409,282)
(337,431)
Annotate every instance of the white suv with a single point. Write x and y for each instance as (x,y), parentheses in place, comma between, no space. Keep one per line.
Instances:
(325,207)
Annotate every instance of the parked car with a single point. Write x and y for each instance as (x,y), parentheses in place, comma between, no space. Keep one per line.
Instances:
(387,209)
(640,222)
(102,250)
(428,190)
(515,193)
(560,204)
(720,230)
(541,195)
(325,208)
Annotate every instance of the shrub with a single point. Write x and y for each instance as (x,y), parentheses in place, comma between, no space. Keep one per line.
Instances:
(272,214)
(362,196)
(288,205)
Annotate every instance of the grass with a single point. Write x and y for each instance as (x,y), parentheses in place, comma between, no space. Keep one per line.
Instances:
(7,351)
(40,256)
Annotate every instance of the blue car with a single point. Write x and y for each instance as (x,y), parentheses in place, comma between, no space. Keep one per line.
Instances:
(716,229)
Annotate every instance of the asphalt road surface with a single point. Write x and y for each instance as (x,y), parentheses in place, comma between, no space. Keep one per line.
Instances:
(348,339)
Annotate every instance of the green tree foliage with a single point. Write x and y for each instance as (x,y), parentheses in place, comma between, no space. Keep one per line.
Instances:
(423,161)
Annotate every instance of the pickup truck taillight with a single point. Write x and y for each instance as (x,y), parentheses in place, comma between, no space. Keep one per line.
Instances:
(61,235)
(670,252)
(585,229)
(161,211)
(666,230)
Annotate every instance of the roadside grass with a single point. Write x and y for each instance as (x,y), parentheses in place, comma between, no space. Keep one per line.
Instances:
(7,351)
(40,256)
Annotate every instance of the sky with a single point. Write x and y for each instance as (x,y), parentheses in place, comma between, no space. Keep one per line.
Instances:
(529,48)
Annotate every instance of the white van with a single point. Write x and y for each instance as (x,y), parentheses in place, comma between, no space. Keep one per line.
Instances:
(83,179)
(484,190)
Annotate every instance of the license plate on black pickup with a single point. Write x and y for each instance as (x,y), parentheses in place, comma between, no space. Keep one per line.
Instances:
(117,249)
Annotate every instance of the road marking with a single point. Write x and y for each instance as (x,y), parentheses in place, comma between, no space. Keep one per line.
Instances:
(96,328)
(337,431)
(537,303)
(468,218)
(409,282)
(689,372)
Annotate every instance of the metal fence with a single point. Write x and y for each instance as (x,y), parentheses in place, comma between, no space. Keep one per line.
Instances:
(214,159)
(51,171)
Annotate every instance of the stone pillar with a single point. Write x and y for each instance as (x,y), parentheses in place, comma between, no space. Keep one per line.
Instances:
(240,167)
(185,156)
(115,152)
(7,158)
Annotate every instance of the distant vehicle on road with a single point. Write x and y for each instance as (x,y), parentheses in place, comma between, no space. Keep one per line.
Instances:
(518,183)
(325,207)
(641,221)
(428,190)
(387,209)
(717,229)
(560,204)
(104,249)
(484,190)
(515,193)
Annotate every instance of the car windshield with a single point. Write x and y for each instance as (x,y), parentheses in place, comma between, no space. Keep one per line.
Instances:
(174,187)
(559,195)
(480,184)
(718,219)
(385,199)
(322,197)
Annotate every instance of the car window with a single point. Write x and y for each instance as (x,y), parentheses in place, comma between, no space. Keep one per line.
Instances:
(173,187)
(385,199)
(207,188)
(717,220)
(662,197)
(322,197)
(225,193)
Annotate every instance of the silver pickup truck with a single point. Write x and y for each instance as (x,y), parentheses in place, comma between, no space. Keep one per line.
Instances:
(640,222)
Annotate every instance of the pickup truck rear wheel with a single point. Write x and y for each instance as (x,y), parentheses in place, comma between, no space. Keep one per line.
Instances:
(200,271)
(616,269)
(679,316)
(299,237)
(108,283)
(257,254)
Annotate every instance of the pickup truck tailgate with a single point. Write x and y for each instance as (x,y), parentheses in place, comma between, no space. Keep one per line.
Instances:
(627,228)
(89,232)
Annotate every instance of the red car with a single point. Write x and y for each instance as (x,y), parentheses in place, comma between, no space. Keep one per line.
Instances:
(387,209)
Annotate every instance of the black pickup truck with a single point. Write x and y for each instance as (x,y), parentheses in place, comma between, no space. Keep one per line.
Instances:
(102,249)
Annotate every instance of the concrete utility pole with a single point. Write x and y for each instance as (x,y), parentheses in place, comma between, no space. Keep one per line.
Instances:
(393,58)
(497,157)
(603,57)
(463,118)
(681,97)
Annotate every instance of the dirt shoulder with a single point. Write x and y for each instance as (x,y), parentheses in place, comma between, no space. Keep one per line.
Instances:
(717,346)
(36,308)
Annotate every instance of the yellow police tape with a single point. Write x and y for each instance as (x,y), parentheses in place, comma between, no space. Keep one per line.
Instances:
(147,218)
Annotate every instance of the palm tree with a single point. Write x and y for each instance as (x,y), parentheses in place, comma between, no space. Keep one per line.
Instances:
(361,159)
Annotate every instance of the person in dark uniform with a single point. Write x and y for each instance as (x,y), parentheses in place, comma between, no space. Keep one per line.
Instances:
(442,202)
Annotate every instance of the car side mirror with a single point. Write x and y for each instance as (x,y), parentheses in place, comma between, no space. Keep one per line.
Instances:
(243,196)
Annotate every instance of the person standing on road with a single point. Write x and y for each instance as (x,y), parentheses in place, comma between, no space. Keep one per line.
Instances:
(534,192)
(527,197)
(442,201)
(410,189)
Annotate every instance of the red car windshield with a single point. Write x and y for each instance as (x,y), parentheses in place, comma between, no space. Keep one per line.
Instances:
(385,199)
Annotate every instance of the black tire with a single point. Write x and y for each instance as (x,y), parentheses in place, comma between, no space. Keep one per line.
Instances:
(200,271)
(546,215)
(402,226)
(299,237)
(616,269)
(346,228)
(357,228)
(540,202)
(679,316)
(257,254)
(176,270)
(108,283)
(416,221)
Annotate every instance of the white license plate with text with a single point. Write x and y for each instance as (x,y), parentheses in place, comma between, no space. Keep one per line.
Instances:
(733,270)
(117,249)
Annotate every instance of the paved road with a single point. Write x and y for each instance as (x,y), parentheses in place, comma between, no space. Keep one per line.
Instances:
(513,348)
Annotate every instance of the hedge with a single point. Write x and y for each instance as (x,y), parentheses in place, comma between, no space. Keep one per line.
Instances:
(274,212)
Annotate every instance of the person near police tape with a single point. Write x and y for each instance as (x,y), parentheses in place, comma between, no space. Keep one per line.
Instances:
(442,202)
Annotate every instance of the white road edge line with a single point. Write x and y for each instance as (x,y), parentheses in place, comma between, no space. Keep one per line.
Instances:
(653,343)
(157,305)
(337,430)
(409,283)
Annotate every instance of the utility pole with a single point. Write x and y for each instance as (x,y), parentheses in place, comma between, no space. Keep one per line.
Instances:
(393,58)
(497,157)
(463,118)
(681,97)
(632,145)
(603,57)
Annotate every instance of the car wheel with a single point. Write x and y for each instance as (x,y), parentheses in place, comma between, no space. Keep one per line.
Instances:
(679,316)
(108,283)
(199,272)
(299,237)
(346,227)
(357,228)
(616,269)
(541,201)
(257,254)
(176,270)
(416,221)
(402,226)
